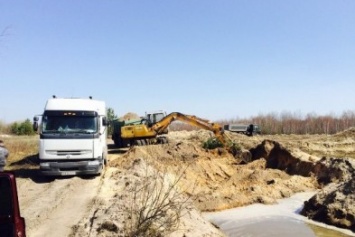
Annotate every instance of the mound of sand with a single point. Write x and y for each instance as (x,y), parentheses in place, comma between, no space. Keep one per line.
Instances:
(346,133)
(129,116)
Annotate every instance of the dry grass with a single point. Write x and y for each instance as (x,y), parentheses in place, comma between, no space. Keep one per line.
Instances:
(156,205)
(23,151)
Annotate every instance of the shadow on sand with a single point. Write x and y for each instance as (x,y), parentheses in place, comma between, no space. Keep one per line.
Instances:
(28,168)
(112,149)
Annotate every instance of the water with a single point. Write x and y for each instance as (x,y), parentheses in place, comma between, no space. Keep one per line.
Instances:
(279,220)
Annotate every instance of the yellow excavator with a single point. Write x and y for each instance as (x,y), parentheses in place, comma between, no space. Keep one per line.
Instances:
(144,132)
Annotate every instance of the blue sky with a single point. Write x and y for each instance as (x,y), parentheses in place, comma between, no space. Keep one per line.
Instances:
(215,59)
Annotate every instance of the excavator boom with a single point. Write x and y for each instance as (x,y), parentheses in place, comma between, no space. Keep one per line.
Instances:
(192,120)
(204,124)
(144,132)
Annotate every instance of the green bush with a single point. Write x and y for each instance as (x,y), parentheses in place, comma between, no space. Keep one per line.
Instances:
(24,128)
(212,143)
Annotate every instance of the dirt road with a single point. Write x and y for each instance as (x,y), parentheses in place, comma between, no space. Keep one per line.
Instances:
(52,207)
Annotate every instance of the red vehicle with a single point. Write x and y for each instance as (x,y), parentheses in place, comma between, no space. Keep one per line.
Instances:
(11,222)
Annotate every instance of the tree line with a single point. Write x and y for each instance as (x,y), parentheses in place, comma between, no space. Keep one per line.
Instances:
(288,123)
(291,123)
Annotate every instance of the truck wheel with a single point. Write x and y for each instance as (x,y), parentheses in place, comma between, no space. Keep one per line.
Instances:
(104,163)
(118,142)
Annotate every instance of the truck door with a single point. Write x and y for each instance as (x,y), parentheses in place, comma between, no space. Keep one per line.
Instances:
(11,223)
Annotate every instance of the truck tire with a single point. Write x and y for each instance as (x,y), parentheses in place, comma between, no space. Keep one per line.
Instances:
(117,140)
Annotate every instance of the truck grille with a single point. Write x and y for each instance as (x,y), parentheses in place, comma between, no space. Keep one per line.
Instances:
(70,153)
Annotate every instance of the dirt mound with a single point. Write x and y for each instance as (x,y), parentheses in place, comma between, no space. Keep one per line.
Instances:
(334,204)
(216,180)
(129,116)
(346,133)
(137,188)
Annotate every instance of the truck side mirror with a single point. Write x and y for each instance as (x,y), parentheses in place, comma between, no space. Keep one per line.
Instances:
(104,121)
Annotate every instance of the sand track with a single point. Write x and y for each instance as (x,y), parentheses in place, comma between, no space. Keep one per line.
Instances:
(53,208)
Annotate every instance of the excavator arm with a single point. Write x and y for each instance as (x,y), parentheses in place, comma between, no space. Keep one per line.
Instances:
(160,126)
(141,133)
(218,131)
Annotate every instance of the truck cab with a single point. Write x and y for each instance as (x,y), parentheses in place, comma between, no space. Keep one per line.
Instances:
(72,137)
(11,222)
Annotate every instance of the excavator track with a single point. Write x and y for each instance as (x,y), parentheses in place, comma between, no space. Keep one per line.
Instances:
(150,141)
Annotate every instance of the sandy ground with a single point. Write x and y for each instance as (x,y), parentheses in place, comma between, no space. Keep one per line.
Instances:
(52,207)
(208,181)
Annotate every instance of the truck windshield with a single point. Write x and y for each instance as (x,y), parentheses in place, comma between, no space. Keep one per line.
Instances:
(69,124)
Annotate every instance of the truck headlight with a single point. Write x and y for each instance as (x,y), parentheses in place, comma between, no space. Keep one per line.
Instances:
(95,162)
(44,164)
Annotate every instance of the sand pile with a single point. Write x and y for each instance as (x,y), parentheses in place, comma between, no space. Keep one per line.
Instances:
(129,116)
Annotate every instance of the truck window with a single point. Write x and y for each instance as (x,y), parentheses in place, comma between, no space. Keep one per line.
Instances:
(69,124)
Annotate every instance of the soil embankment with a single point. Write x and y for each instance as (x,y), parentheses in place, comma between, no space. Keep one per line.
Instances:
(335,203)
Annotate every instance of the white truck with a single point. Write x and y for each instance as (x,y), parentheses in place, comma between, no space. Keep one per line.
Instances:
(73,134)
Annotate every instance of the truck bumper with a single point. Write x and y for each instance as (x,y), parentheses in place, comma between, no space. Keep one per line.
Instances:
(57,168)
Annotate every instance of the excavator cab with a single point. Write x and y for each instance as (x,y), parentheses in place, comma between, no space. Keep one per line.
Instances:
(155,116)
(11,222)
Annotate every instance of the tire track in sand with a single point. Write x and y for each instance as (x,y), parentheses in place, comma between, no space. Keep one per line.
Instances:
(51,209)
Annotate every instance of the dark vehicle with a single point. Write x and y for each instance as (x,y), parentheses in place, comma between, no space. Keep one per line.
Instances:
(11,222)
(250,130)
